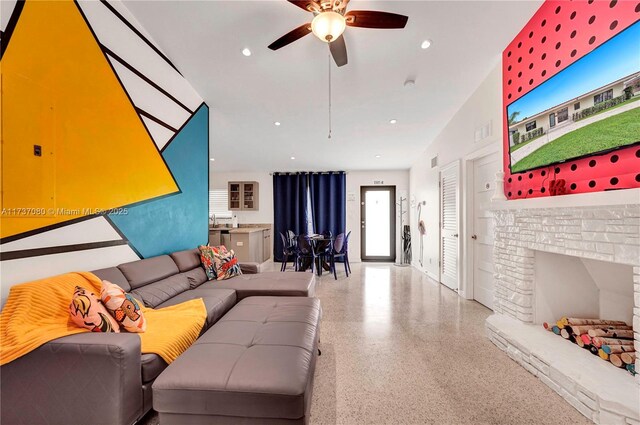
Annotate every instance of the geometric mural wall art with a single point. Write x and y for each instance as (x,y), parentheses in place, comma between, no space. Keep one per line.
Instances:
(559,34)
(179,221)
(92,111)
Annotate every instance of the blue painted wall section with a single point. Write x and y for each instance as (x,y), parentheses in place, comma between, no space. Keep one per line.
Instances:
(178,221)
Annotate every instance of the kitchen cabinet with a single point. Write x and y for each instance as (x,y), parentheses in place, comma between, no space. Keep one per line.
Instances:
(243,196)
(266,245)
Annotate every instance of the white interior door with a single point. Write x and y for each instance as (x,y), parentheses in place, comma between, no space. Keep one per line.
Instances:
(484,172)
(449,222)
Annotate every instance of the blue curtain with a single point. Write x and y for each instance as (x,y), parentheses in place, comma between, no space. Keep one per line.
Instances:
(289,207)
(328,202)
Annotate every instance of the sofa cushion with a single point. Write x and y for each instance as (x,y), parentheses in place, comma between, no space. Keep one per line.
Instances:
(270,284)
(152,366)
(263,352)
(186,260)
(123,307)
(143,272)
(196,277)
(113,275)
(87,311)
(154,294)
(216,301)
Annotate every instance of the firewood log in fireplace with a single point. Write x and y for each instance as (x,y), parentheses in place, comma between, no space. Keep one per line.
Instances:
(579,341)
(600,341)
(631,367)
(573,321)
(617,349)
(586,339)
(611,333)
(628,358)
(603,355)
(567,335)
(584,329)
(616,360)
(594,350)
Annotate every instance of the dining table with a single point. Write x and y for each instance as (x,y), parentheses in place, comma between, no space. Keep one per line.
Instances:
(320,242)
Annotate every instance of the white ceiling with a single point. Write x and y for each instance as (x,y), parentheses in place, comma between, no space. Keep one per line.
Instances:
(246,95)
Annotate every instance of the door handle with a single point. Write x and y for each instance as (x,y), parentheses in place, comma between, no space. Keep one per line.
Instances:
(455,235)
(474,237)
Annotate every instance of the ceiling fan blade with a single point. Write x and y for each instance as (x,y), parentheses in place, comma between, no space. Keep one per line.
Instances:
(291,36)
(339,51)
(308,5)
(374,19)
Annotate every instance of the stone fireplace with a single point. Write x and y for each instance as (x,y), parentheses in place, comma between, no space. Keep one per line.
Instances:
(577,256)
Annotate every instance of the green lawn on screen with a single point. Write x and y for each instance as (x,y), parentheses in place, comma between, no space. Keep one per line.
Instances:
(619,130)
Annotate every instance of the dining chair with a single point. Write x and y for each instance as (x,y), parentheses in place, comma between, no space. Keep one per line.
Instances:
(288,251)
(293,239)
(305,250)
(339,250)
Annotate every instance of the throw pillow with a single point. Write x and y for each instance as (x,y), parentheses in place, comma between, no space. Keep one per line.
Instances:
(207,258)
(123,307)
(87,311)
(226,265)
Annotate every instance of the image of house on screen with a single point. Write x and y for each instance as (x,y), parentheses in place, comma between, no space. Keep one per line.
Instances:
(556,121)
(591,106)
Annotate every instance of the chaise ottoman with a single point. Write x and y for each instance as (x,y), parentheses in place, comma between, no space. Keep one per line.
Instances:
(254,366)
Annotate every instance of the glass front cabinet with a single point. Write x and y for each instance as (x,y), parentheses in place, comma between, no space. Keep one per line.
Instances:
(243,196)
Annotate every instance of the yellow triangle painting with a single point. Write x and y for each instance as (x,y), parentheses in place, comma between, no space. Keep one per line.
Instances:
(72,143)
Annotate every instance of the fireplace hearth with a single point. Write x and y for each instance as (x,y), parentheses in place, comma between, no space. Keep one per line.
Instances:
(579,260)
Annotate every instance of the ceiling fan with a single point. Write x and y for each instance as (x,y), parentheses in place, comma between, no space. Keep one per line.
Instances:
(331,19)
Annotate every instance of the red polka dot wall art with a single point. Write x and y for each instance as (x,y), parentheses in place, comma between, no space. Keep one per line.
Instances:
(571,96)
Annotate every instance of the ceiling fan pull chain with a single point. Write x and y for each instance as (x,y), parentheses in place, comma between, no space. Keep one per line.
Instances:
(329,62)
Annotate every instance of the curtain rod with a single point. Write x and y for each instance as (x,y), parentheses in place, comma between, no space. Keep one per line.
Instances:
(306,172)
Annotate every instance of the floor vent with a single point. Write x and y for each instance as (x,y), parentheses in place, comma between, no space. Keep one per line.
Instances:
(434,161)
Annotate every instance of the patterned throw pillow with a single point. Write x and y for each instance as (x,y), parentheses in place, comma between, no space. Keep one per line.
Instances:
(226,264)
(208,256)
(87,311)
(123,307)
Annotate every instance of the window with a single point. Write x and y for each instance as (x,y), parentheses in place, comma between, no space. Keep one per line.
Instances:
(563,114)
(552,120)
(530,125)
(607,95)
(576,106)
(219,204)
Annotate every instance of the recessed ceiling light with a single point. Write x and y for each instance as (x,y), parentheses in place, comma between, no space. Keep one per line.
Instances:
(393,121)
(277,123)
(293,157)
(212,159)
(246,52)
(425,44)
(377,156)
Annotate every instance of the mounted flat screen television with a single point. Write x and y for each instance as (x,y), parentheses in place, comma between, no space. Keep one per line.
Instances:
(590,107)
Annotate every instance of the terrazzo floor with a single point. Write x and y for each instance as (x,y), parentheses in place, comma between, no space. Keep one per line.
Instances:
(399,348)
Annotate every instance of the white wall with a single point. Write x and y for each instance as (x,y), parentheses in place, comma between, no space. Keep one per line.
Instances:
(356,179)
(219,180)
(454,143)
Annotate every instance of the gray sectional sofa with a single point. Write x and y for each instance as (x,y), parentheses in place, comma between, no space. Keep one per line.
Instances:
(253,363)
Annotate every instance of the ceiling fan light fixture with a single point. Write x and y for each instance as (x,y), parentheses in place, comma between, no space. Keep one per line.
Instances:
(328,26)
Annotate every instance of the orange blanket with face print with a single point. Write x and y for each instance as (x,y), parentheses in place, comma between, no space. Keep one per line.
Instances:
(38,312)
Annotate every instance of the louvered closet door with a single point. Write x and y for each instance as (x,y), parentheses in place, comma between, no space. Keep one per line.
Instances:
(449,232)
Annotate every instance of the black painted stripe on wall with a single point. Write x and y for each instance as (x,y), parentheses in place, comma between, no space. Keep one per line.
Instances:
(139,34)
(156,120)
(144,77)
(37,252)
(11,25)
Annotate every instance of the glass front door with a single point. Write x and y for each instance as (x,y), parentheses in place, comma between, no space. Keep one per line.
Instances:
(378,225)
